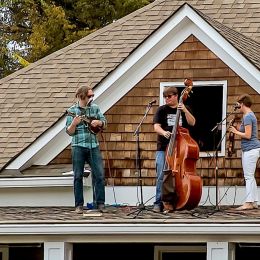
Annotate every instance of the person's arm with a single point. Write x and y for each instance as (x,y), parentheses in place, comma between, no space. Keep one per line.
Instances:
(189,117)
(100,121)
(246,135)
(71,128)
(158,129)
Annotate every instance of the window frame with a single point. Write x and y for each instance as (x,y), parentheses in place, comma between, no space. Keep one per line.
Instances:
(159,250)
(5,252)
(221,83)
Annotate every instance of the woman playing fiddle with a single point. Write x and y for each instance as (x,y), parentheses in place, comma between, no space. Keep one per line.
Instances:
(250,145)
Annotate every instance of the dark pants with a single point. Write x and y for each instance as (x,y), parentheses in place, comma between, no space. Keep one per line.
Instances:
(80,156)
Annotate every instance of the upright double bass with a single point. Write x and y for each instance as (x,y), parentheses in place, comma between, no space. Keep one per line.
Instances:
(180,165)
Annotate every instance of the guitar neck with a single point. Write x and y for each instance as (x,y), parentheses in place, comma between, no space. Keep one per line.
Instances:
(174,130)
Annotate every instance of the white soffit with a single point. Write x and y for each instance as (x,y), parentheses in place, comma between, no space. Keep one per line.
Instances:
(143,60)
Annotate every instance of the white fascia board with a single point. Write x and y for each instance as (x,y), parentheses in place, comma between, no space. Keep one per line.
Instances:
(37,182)
(142,61)
(224,50)
(114,87)
(133,229)
(160,44)
(44,149)
(148,55)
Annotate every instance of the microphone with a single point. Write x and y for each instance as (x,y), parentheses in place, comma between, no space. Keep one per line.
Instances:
(89,101)
(237,106)
(152,102)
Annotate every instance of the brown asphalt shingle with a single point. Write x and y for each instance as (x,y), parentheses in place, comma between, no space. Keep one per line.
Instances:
(125,215)
(247,47)
(34,98)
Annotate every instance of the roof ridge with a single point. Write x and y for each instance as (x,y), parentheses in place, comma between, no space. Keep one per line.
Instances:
(219,23)
(234,34)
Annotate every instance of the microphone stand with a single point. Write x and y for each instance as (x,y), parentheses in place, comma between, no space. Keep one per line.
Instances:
(141,206)
(216,128)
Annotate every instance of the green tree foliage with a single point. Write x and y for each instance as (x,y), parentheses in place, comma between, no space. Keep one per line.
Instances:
(12,34)
(32,29)
(50,31)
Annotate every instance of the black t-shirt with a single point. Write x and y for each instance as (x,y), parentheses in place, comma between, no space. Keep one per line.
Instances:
(166,117)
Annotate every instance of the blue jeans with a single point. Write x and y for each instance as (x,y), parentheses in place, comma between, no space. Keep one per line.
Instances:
(159,161)
(93,157)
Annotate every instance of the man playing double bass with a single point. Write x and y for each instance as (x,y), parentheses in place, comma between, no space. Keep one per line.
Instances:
(164,121)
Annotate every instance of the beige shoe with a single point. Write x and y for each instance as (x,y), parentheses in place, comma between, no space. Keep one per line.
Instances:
(102,209)
(255,205)
(246,206)
(79,210)
(156,208)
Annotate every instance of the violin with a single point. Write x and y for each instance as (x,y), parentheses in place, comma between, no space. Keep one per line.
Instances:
(182,188)
(87,121)
(231,137)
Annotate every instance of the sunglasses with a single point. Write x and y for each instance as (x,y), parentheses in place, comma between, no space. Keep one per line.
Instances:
(90,96)
(170,95)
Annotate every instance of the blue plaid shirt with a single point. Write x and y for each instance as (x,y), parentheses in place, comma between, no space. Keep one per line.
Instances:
(82,136)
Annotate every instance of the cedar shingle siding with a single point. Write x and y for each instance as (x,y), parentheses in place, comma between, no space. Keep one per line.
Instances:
(190,59)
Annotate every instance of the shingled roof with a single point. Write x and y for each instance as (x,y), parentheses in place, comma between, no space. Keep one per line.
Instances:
(247,47)
(33,99)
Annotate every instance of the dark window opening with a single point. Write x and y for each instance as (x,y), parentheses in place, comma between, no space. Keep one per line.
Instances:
(247,251)
(184,255)
(206,105)
(131,251)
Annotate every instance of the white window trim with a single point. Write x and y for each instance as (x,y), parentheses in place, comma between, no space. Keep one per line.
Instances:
(159,250)
(5,252)
(222,83)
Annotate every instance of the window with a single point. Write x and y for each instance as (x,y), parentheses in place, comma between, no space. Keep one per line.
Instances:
(180,252)
(208,104)
(4,253)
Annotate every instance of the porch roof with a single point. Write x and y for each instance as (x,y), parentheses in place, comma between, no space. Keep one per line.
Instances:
(124,214)
(123,225)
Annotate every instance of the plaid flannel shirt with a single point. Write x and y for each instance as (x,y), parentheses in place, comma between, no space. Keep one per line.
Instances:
(82,136)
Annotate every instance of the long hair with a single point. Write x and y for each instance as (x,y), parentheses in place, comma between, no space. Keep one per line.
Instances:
(82,92)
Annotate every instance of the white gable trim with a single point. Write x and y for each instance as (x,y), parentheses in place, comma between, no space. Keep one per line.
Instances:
(148,55)
(43,150)
(228,54)
(160,44)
